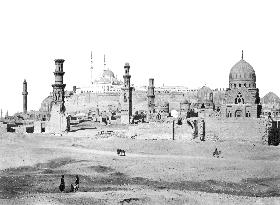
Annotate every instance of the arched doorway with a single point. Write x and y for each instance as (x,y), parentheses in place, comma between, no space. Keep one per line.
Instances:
(238,113)
(158,116)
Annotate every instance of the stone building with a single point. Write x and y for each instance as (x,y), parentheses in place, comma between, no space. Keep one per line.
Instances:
(184,108)
(204,99)
(242,97)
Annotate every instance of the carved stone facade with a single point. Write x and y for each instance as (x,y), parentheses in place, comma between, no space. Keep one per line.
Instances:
(58,122)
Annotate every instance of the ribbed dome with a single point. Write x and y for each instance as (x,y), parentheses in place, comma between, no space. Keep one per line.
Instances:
(242,74)
(242,70)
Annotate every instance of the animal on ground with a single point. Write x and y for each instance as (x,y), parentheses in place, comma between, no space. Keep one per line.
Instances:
(121,152)
(216,153)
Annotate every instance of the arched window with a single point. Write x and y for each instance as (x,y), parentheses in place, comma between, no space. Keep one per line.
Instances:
(239,99)
(245,85)
(240,85)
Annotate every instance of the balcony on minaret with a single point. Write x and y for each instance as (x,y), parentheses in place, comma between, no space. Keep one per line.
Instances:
(24,92)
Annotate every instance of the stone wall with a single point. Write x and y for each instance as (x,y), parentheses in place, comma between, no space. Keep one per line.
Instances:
(159,131)
(86,101)
(237,129)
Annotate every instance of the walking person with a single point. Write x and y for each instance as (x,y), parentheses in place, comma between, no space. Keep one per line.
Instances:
(62,184)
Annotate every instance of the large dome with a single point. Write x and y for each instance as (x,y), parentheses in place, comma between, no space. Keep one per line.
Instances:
(108,74)
(242,74)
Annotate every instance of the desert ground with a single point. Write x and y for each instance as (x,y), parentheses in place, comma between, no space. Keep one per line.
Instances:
(154,170)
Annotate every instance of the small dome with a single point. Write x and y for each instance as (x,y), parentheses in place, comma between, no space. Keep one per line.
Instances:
(185,101)
(270,98)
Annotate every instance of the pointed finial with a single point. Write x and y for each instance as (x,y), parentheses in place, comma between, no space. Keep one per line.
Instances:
(242,55)
(104,60)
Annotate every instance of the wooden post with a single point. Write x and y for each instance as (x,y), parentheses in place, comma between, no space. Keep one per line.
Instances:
(173,130)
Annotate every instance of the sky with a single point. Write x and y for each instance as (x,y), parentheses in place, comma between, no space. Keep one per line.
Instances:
(184,43)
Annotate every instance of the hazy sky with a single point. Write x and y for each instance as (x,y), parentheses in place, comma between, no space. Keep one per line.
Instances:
(190,43)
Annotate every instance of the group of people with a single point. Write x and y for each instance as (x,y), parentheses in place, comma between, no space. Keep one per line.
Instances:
(74,187)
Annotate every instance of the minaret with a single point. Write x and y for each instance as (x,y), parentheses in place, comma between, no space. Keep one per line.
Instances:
(91,68)
(24,94)
(1,113)
(58,86)
(126,97)
(104,62)
(151,96)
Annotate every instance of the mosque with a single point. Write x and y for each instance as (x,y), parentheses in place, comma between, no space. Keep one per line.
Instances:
(242,97)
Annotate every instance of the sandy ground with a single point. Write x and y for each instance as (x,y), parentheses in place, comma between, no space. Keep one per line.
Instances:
(152,172)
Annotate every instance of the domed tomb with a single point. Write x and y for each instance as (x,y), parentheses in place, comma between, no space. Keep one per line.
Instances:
(242,97)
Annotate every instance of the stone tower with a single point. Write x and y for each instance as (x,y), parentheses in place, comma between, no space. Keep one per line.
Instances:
(151,96)
(126,97)
(58,122)
(24,94)
(58,86)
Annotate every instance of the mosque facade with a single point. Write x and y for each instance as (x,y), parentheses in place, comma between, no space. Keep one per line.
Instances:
(242,96)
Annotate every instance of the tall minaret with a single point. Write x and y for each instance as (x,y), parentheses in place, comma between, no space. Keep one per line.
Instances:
(104,62)
(24,94)
(91,68)
(126,97)
(151,96)
(58,86)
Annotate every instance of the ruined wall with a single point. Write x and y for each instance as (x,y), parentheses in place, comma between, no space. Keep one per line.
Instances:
(58,121)
(236,129)
(158,131)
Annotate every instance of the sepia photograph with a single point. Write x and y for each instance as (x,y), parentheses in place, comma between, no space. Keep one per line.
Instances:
(150,102)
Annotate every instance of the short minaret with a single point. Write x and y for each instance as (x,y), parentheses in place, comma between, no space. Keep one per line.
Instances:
(126,97)
(151,96)
(58,86)
(24,94)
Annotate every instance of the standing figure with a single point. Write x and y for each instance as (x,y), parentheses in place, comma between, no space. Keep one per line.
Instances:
(75,187)
(62,184)
(77,182)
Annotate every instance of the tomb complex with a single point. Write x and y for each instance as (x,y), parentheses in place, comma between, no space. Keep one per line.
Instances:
(209,112)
